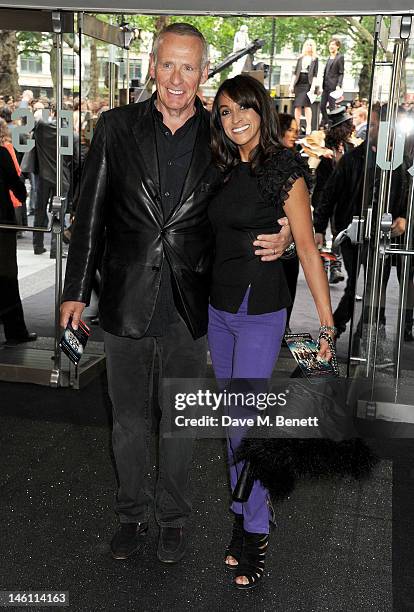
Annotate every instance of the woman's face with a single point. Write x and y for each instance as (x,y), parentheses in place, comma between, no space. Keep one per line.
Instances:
(290,136)
(309,49)
(241,125)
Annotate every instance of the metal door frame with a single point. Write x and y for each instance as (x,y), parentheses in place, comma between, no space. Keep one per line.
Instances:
(88,25)
(34,20)
(285,8)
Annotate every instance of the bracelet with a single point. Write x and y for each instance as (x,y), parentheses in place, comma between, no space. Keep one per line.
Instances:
(289,252)
(290,249)
(328,328)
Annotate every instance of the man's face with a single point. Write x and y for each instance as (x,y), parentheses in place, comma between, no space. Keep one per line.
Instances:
(333,48)
(178,72)
(357,118)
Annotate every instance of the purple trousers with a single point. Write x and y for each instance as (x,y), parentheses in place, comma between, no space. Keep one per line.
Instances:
(244,346)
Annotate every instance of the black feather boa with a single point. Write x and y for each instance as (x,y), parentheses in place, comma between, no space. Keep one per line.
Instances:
(279,462)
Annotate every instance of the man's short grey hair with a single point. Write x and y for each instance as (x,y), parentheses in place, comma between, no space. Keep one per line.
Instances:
(182,29)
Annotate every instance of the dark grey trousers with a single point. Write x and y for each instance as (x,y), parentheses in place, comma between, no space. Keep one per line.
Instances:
(130,367)
(327,100)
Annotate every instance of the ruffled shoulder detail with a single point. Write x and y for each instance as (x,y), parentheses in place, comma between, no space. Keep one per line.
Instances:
(278,175)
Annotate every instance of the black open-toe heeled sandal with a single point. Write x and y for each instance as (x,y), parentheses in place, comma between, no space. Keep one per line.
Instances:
(251,564)
(234,549)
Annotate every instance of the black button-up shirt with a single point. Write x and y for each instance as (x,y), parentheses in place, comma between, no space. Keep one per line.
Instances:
(174,153)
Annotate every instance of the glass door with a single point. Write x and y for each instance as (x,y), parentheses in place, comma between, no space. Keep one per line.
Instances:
(382,347)
(103,81)
(37,71)
(103,78)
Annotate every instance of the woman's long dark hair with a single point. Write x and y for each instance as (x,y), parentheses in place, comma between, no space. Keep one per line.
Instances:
(285,121)
(339,135)
(247,91)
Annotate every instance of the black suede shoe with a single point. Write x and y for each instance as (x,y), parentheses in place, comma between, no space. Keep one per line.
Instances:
(171,544)
(127,539)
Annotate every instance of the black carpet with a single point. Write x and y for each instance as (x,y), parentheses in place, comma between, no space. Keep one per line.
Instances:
(330,551)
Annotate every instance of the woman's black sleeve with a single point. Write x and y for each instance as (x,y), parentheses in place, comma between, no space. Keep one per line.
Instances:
(280,174)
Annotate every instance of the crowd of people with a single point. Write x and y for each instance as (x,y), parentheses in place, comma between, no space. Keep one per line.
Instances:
(27,200)
(38,166)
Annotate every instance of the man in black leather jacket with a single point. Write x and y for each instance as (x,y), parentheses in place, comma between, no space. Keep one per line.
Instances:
(147,182)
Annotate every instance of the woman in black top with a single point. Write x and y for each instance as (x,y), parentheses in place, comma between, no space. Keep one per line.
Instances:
(11,311)
(247,313)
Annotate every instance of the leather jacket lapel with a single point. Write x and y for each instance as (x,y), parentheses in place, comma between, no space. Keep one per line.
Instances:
(143,130)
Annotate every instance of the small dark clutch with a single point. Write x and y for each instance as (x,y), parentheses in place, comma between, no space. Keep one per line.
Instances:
(73,341)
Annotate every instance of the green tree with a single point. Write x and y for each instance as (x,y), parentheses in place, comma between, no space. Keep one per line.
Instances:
(9,80)
(36,43)
(220,32)
(93,72)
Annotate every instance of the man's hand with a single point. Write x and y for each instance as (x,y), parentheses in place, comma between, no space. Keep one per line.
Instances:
(319,240)
(273,245)
(398,226)
(71,309)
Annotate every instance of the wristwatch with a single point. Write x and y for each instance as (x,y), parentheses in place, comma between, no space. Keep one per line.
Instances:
(289,252)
